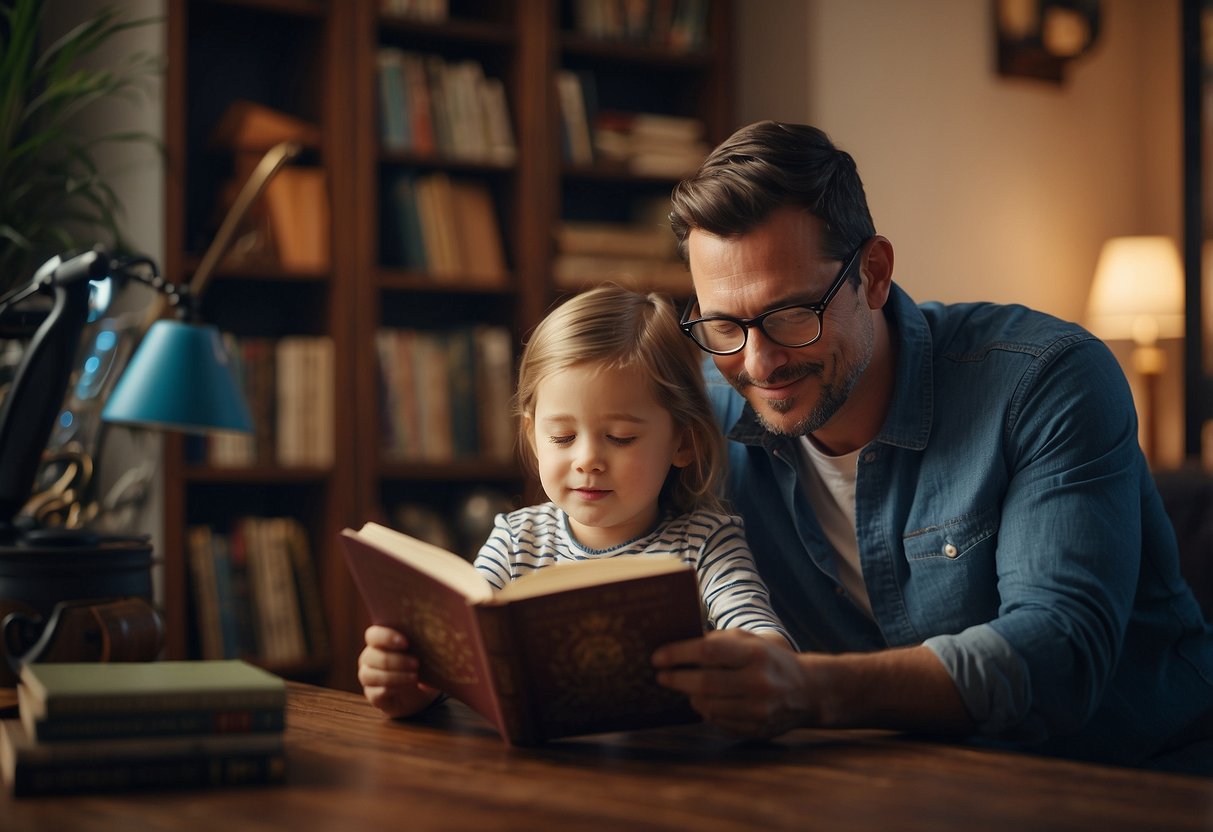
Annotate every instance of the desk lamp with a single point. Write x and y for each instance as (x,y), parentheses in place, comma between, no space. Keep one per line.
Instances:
(73,594)
(1138,296)
(179,378)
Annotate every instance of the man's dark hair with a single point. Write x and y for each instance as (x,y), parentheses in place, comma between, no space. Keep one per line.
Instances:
(766,166)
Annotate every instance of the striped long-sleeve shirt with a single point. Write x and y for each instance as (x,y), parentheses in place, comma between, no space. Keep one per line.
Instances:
(734,594)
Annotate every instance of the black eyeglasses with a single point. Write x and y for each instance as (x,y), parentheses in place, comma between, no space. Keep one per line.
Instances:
(796,325)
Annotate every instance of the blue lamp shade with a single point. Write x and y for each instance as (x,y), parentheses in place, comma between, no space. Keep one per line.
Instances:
(180,379)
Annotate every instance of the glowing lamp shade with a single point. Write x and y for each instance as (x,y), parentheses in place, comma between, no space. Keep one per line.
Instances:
(180,379)
(1138,292)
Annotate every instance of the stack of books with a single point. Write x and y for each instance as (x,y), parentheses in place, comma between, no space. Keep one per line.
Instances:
(89,727)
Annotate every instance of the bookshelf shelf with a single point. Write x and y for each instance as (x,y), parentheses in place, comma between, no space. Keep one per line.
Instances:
(257,474)
(450,31)
(608,52)
(302,8)
(457,471)
(320,61)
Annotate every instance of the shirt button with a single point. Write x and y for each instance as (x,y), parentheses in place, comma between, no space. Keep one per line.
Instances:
(839,591)
(950,550)
(870,456)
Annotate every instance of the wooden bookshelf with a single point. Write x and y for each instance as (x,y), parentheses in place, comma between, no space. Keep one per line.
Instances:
(318,60)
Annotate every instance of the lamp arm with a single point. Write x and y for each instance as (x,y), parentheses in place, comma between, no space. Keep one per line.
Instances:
(270,163)
(27,415)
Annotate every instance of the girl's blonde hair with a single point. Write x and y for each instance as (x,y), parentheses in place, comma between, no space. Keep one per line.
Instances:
(623,329)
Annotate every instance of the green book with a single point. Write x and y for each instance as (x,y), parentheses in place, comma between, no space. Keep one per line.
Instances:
(68,690)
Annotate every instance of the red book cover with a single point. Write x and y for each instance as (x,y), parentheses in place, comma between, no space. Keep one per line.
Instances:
(563,652)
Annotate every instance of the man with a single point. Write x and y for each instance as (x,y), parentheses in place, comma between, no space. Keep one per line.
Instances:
(948,503)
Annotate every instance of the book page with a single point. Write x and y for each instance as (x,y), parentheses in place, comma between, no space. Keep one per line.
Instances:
(434,561)
(583,573)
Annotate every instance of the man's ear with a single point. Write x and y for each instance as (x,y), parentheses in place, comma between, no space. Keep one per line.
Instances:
(876,268)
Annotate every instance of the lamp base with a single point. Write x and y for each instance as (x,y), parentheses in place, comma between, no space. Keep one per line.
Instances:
(1149,360)
(37,577)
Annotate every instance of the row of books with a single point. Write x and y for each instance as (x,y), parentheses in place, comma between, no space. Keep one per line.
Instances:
(680,25)
(256,593)
(444,226)
(288,384)
(640,254)
(446,393)
(135,725)
(653,144)
(429,105)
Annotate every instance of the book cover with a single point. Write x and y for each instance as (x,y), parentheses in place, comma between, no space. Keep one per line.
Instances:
(34,768)
(76,688)
(563,652)
(249,126)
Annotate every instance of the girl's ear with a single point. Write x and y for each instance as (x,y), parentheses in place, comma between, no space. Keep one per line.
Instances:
(684,455)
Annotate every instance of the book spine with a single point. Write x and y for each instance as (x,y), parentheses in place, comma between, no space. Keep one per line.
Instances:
(59,777)
(169,723)
(503,656)
(128,703)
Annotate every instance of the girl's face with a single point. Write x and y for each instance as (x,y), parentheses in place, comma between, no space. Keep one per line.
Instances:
(604,446)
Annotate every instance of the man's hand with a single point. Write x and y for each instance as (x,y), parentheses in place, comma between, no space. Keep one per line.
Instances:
(754,687)
(388,674)
(746,684)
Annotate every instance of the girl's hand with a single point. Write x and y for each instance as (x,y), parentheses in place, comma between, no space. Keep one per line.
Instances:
(388,674)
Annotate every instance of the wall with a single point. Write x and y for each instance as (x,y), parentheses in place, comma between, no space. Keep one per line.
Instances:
(990,188)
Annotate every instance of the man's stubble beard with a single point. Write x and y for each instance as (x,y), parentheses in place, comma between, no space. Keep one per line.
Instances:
(831,399)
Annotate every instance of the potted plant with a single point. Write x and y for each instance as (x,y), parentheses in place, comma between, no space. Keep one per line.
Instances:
(53,196)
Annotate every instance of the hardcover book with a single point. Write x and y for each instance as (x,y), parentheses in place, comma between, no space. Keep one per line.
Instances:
(56,691)
(563,652)
(35,768)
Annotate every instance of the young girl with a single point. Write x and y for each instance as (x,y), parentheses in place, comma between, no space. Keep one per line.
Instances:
(615,421)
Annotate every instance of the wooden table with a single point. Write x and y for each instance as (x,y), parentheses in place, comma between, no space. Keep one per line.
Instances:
(350,770)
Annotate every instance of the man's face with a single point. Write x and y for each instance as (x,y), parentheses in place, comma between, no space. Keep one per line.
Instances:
(794,391)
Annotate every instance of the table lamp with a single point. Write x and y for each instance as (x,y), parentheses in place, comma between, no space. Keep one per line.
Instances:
(1138,296)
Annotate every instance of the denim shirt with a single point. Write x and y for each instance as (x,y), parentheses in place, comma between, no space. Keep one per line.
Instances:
(1006,519)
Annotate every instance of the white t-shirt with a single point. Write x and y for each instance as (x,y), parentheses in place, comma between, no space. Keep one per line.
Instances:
(829,483)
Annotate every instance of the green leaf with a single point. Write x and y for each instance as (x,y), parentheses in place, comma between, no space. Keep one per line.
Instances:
(53,196)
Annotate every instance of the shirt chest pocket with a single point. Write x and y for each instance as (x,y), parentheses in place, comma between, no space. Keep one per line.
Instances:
(953,580)
(954,539)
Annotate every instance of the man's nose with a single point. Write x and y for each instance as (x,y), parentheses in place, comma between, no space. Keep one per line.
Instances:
(761,355)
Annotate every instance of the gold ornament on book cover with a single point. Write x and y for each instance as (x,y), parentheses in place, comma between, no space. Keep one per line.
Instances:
(447,650)
(597,657)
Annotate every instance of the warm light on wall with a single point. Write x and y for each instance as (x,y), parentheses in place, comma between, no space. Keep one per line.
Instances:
(1138,296)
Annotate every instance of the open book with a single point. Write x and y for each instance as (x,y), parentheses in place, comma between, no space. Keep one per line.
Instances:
(565,651)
